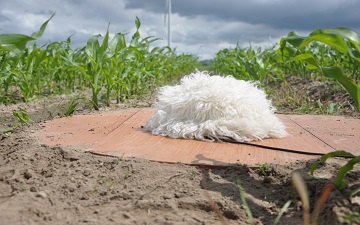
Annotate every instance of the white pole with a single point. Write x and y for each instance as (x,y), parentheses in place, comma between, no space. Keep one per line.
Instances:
(169,15)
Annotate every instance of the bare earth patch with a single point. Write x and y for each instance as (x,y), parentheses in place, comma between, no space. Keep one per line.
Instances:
(52,185)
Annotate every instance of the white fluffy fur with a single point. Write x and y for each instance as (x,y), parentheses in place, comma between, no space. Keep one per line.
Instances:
(213,108)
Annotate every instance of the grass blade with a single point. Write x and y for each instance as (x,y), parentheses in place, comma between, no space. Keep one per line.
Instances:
(339,181)
(282,211)
(23,117)
(327,156)
(71,109)
(320,202)
(3,131)
(246,206)
(300,186)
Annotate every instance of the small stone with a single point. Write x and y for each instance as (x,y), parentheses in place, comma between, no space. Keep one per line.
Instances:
(125,195)
(86,172)
(179,195)
(268,180)
(143,204)
(41,194)
(84,197)
(127,216)
(167,196)
(28,174)
(33,189)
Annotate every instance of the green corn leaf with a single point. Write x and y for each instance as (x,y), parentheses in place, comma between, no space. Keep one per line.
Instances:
(346,33)
(334,40)
(351,36)
(136,35)
(136,51)
(323,158)
(39,33)
(351,87)
(18,41)
(294,39)
(14,41)
(104,46)
(92,46)
(117,43)
(137,23)
(309,58)
(339,181)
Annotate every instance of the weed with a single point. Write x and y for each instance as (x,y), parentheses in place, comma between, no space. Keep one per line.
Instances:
(300,186)
(282,211)
(127,175)
(339,180)
(23,117)
(72,106)
(23,189)
(108,183)
(244,202)
(352,218)
(120,69)
(344,43)
(7,130)
(264,170)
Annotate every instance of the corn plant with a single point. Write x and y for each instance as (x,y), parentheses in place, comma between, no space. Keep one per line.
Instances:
(94,64)
(114,69)
(22,116)
(339,181)
(300,186)
(18,42)
(344,41)
(11,47)
(247,63)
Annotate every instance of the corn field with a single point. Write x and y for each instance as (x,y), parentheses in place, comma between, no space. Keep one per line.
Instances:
(332,53)
(116,69)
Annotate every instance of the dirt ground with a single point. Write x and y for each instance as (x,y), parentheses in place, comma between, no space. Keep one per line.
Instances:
(53,185)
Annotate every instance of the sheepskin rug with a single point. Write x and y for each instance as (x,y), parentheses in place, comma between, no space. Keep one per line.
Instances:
(212,108)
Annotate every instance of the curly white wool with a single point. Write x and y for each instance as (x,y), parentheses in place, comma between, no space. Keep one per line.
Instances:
(213,108)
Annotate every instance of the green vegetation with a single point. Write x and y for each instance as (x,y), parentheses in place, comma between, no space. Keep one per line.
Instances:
(301,188)
(248,63)
(339,181)
(343,56)
(264,170)
(115,69)
(332,53)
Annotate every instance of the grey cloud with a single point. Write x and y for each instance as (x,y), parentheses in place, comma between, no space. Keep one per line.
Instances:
(3,19)
(198,26)
(291,14)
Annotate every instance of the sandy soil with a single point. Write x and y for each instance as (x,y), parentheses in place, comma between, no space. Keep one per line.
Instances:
(52,185)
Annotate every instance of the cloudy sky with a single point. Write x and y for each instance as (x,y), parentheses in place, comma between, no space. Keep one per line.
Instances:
(199,27)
